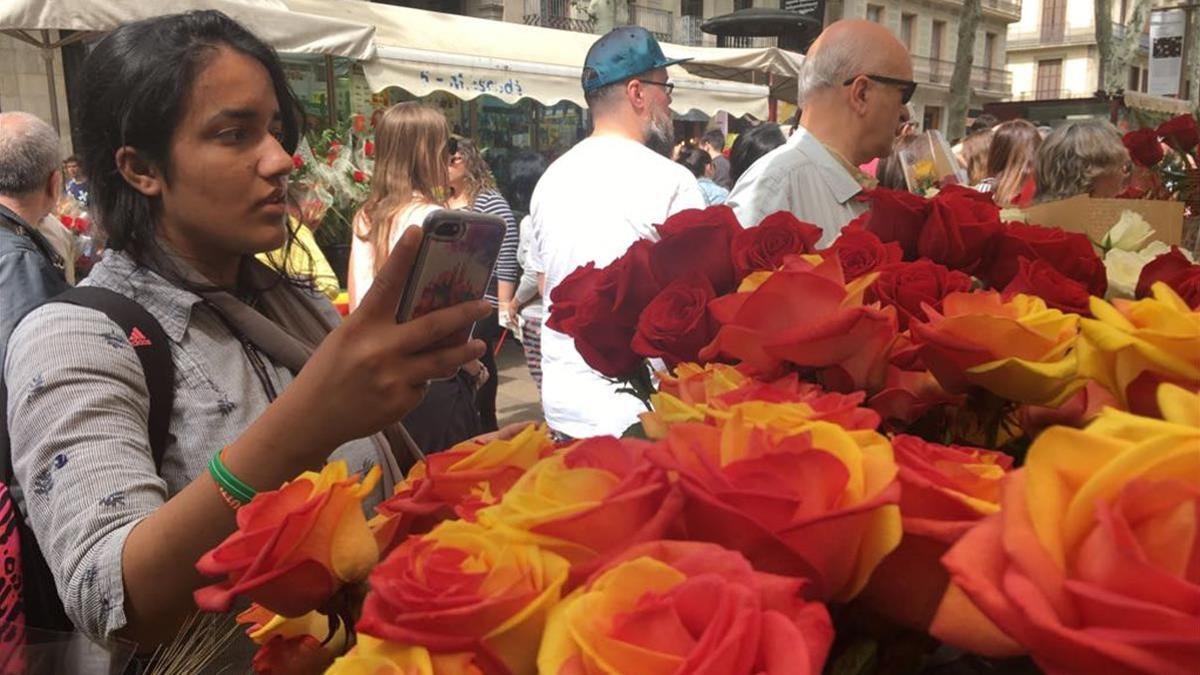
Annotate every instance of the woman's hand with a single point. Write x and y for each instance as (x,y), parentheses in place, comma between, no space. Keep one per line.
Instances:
(371,371)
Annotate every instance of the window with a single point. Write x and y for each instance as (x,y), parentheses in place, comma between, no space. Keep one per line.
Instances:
(1054,20)
(1145,80)
(692,8)
(932,119)
(875,13)
(989,50)
(908,24)
(1049,79)
(742,4)
(1135,78)
(936,39)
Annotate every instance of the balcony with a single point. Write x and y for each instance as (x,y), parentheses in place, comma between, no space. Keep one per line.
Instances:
(1007,9)
(556,14)
(1063,36)
(1055,95)
(983,80)
(659,22)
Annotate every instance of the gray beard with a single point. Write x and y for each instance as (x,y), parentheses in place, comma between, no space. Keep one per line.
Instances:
(660,137)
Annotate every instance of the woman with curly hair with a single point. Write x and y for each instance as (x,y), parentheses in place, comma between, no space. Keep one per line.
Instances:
(473,188)
(1084,157)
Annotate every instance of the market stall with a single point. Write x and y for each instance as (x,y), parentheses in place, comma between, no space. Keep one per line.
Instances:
(287,30)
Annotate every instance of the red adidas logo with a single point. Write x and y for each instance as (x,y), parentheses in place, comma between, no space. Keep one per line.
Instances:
(137,339)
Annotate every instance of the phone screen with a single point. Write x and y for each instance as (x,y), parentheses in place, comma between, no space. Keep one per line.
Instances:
(455,262)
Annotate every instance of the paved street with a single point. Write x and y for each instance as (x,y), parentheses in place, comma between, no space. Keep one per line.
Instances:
(517,400)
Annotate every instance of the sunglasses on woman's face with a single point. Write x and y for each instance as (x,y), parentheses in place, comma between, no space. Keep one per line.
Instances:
(452,147)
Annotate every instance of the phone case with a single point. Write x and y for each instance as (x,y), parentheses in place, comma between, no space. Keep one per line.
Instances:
(454,265)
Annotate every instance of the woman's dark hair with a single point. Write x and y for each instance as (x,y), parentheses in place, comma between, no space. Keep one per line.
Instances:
(136,85)
(524,172)
(750,145)
(695,160)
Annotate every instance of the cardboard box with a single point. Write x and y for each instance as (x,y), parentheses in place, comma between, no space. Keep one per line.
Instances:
(1094,217)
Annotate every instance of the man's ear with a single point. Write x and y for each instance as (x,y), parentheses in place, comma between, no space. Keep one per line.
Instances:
(636,95)
(858,93)
(54,185)
(140,173)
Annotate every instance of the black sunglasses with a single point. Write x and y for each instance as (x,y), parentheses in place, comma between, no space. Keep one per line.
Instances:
(669,86)
(907,87)
(452,146)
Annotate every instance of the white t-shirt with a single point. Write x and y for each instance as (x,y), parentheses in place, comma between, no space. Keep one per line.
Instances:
(590,206)
(362,253)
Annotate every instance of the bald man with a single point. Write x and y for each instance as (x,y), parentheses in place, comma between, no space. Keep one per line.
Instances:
(853,87)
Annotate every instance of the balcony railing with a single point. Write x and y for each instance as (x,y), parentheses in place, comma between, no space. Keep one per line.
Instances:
(1044,95)
(1009,8)
(1059,36)
(746,42)
(659,22)
(556,14)
(983,79)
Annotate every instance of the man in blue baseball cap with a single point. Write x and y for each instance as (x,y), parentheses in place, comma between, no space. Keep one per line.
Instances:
(592,203)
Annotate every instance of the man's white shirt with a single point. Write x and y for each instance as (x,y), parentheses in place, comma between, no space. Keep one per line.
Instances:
(803,177)
(590,206)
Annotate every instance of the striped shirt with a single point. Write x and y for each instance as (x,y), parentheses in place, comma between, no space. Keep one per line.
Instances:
(506,269)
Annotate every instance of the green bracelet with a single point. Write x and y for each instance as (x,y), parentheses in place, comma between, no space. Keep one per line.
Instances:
(229,483)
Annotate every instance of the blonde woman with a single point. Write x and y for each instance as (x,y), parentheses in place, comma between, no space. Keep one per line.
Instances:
(410,182)
(975,149)
(1084,157)
(1010,163)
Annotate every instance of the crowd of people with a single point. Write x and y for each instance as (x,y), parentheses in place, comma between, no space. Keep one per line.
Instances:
(186,135)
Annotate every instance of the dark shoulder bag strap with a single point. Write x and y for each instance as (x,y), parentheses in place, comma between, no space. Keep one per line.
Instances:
(153,349)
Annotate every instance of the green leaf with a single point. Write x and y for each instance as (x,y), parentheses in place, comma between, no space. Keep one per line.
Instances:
(636,431)
(860,658)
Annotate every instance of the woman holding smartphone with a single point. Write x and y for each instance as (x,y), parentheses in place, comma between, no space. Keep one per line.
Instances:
(187,131)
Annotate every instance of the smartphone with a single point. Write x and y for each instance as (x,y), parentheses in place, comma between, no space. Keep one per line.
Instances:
(454,265)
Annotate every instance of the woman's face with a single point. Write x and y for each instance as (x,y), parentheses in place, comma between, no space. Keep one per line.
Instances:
(228,176)
(1110,183)
(457,168)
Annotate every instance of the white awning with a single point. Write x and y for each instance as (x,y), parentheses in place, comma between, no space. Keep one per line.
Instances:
(284,29)
(423,52)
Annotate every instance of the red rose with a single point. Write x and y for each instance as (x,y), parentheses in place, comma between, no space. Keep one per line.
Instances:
(297,161)
(1143,146)
(359,176)
(1180,133)
(599,308)
(1060,292)
(763,248)
(358,123)
(1175,270)
(862,252)
(697,240)
(369,149)
(1068,252)
(676,324)
(896,215)
(961,227)
(908,286)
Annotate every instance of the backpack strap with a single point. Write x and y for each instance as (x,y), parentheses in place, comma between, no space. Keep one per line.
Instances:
(153,349)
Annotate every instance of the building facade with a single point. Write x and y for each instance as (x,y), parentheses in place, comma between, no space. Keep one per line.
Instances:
(24,84)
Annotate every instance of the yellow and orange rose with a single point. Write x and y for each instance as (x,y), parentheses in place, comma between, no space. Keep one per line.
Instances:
(300,646)
(295,546)
(588,503)
(1091,564)
(466,594)
(457,482)
(372,656)
(670,607)
(945,490)
(1131,347)
(1018,349)
(815,501)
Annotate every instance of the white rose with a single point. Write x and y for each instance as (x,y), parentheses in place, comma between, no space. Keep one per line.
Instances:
(1125,267)
(1131,233)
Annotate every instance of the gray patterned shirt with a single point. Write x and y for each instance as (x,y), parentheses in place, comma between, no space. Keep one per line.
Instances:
(77,416)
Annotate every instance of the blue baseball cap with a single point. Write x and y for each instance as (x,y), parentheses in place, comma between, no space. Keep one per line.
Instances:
(621,54)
